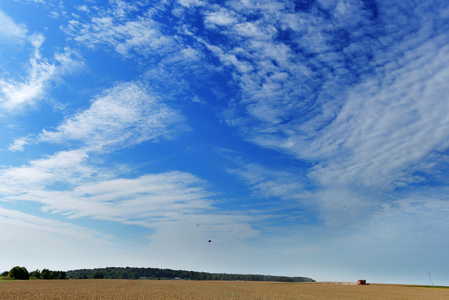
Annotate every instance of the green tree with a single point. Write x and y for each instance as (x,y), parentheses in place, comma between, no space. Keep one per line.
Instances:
(36,274)
(62,275)
(45,274)
(19,273)
(98,275)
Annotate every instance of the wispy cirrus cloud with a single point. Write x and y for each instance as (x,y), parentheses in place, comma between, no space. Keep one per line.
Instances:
(290,69)
(142,201)
(16,94)
(70,184)
(20,92)
(135,31)
(269,183)
(11,30)
(122,116)
(222,17)
(127,34)
(191,3)
(326,82)
(391,132)
(67,167)
(412,100)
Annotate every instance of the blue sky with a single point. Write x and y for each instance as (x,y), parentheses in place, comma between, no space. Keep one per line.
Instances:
(305,138)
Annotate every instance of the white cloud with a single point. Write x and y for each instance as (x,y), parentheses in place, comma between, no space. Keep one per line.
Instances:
(69,62)
(83,8)
(267,7)
(35,1)
(16,95)
(191,3)
(221,17)
(143,200)
(18,144)
(67,167)
(272,183)
(288,64)
(388,128)
(68,184)
(122,8)
(255,30)
(10,29)
(122,116)
(129,36)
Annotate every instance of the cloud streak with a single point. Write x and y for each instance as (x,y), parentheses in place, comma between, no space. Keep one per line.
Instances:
(20,92)
(68,184)
(115,27)
(141,200)
(273,183)
(121,117)
(388,129)
(10,29)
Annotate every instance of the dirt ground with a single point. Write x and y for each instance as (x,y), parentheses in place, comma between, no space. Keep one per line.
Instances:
(174,289)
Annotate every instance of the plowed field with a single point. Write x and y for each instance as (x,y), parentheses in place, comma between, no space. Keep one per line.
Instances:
(172,289)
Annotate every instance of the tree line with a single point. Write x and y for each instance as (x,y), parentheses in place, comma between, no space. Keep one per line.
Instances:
(155,273)
(21,273)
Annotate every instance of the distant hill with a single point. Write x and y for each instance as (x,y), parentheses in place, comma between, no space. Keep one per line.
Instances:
(155,273)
